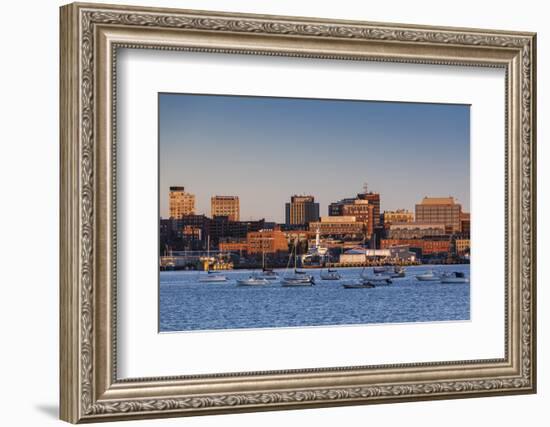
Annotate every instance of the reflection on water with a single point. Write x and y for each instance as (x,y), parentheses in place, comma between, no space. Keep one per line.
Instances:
(187,304)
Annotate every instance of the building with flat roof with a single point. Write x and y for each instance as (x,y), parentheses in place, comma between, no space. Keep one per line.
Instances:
(267,242)
(365,208)
(414,230)
(397,216)
(443,210)
(339,226)
(180,202)
(465,223)
(225,206)
(425,246)
(301,210)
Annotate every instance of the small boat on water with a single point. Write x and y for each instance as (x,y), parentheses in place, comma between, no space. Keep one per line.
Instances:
(252,281)
(398,272)
(429,276)
(454,277)
(380,269)
(212,277)
(266,274)
(299,278)
(377,278)
(330,275)
(358,284)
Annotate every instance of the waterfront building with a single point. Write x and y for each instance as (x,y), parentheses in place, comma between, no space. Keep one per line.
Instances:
(269,242)
(221,227)
(240,246)
(414,230)
(465,223)
(424,246)
(187,232)
(440,210)
(397,216)
(361,255)
(339,226)
(225,206)
(180,202)
(301,210)
(462,246)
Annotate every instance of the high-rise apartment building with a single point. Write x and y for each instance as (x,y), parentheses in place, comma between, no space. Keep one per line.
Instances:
(301,210)
(225,206)
(181,203)
(442,210)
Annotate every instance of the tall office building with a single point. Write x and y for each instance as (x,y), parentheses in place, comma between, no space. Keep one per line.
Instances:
(225,206)
(374,200)
(181,202)
(442,210)
(301,210)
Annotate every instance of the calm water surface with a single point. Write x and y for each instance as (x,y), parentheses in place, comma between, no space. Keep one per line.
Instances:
(186,304)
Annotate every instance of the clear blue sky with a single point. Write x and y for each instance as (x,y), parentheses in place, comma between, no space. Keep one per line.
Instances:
(266,149)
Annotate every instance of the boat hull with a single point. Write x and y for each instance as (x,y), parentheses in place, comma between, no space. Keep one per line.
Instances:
(455,280)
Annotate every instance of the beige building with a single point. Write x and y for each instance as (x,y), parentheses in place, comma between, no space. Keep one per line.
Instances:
(339,225)
(398,216)
(414,230)
(181,202)
(462,246)
(225,206)
(440,210)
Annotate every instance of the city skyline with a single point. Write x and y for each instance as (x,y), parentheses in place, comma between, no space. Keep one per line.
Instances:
(266,150)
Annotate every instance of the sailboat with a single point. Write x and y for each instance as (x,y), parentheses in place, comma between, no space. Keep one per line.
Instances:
(266,273)
(211,276)
(298,278)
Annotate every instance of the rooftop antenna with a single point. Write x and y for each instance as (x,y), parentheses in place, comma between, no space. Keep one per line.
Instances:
(365,187)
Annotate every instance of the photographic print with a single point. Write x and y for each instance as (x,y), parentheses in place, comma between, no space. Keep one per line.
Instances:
(288,212)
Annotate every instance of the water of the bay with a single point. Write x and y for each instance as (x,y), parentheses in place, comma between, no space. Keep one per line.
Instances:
(187,304)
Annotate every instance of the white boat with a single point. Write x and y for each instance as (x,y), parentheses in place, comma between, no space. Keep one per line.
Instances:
(252,281)
(429,276)
(266,275)
(398,272)
(377,279)
(298,278)
(454,277)
(382,269)
(212,277)
(330,275)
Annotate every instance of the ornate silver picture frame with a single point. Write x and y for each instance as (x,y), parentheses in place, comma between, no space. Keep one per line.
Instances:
(91,35)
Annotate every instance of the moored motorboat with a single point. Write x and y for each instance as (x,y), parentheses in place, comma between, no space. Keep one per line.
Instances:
(330,275)
(213,277)
(377,279)
(252,281)
(358,284)
(454,277)
(398,272)
(429,276)
(266,274)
